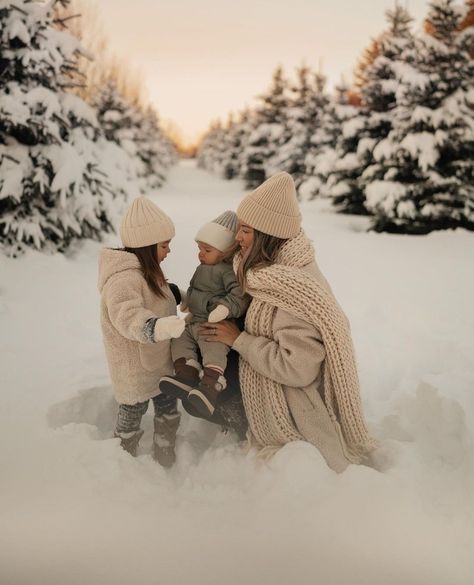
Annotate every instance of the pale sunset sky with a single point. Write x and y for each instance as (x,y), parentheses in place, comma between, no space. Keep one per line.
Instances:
(202,59)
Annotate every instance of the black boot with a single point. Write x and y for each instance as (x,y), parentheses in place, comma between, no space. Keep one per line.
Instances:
(185,379)
(228,414)
(204,397)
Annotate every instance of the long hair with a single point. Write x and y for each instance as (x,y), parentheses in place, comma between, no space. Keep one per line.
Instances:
(151,269)
(230,252)
(263,252)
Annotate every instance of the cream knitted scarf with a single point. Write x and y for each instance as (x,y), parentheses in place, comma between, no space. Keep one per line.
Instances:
(285,286)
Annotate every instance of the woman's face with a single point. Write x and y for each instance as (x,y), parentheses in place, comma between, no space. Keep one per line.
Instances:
(244,237)
(163,250)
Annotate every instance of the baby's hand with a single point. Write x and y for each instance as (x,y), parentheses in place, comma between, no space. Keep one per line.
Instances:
(168,327)
(218,314)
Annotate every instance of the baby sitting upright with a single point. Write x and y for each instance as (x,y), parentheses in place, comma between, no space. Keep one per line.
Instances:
(213,295)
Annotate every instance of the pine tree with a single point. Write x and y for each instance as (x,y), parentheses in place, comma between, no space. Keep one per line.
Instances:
(210,152)
(135,130)
(305,114)
(379,86)
(52,188)
(326,117)
(152,148)
(427,174)
(270,130)
(376,75)
(345,163)
(236,137)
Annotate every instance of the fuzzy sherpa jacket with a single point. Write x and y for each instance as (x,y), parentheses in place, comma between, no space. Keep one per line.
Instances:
(136,363)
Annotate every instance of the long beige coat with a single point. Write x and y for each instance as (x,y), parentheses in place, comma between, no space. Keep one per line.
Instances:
(295,358)
(135,364)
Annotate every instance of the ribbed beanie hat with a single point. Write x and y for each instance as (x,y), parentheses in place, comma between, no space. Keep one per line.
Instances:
(144,224)
(273,207)
(220,232)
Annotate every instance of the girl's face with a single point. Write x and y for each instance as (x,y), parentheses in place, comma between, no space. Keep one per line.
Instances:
(244,237)
(163,250)
(209,255)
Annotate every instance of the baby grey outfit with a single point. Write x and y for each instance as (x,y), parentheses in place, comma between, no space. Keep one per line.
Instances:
(211,285)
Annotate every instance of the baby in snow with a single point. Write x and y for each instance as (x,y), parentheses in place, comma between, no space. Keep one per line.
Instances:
(213,295)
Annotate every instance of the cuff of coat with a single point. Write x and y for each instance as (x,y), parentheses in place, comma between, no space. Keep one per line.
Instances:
(149,330)
(242,343)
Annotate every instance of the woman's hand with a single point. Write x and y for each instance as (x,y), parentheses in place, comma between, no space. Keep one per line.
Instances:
(224,331)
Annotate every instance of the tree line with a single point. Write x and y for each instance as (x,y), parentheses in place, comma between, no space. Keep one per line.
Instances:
(397,145)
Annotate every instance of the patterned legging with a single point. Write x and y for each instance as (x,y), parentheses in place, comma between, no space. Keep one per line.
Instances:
(130,415)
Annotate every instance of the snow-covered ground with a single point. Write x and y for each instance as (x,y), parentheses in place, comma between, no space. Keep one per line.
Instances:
(77,510)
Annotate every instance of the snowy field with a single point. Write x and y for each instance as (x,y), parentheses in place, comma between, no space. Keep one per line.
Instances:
(77,510)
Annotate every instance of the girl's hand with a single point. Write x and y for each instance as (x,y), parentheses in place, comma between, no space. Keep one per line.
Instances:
(224,331)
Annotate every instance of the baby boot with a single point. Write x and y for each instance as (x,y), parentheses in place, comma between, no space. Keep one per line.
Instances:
(185,379)
(204,397)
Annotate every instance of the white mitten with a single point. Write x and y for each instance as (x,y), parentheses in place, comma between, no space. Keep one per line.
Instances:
(218,314)
(168,327)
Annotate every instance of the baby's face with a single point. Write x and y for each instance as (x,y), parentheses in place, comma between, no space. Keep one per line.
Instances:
(209,255)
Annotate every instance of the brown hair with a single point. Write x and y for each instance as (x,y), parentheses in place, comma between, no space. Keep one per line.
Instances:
(263,252)
(230,252)
(148,258)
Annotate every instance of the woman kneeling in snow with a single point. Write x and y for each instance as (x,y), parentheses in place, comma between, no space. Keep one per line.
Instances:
(298,374)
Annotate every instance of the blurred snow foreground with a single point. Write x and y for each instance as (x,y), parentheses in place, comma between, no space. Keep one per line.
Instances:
(76,509)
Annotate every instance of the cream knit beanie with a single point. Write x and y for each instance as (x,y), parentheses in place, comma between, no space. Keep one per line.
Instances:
(220,232)
(144,224)
(273,207)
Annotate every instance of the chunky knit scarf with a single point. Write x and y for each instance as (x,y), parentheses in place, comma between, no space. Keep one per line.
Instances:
(285,286)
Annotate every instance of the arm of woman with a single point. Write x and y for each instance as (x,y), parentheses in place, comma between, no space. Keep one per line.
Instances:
(292,358)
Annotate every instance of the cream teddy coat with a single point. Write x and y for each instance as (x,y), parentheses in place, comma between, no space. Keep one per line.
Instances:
(136,364)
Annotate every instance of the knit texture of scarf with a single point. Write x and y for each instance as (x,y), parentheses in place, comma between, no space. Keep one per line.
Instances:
(285,286)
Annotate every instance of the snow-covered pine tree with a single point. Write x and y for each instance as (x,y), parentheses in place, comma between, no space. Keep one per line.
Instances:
(270,131)
(377,84)
(52,188)
(339,169)
(136,130)
(427,160)
(210,152)
(327,116)
(237,134)
(304,115)
(152,148)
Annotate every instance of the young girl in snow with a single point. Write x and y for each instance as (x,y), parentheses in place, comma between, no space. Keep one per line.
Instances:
(138,318)
(213,295)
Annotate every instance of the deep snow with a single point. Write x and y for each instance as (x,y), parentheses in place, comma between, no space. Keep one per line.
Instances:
(76,510)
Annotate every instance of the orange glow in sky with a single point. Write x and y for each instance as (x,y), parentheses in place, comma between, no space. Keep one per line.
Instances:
(201,60)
